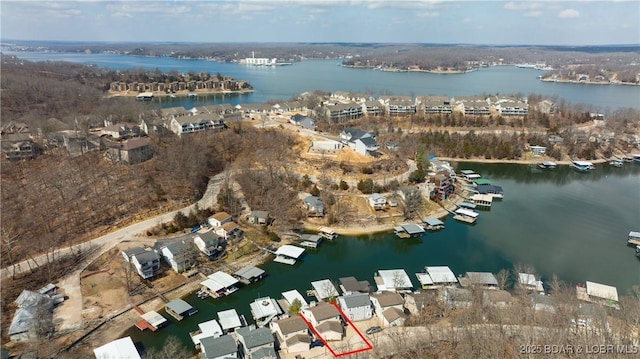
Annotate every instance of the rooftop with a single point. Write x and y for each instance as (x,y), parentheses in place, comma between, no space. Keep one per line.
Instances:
(218,347)
(254,338)
(441,274)
(229,319)
(117,349)
(218,281)
(291,325)
(179,306)
(249,272)
(324,289)
(355,300)
(290,251)
(323,311)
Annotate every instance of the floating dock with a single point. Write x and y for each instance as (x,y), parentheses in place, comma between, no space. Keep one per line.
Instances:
(634,238)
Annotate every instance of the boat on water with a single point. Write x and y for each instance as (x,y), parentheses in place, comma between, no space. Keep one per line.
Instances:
(582,166)
(616,163)
(627,158)
(638,251)
(547,165)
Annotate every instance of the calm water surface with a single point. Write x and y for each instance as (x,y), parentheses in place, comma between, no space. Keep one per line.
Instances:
(572,224)
(284,82)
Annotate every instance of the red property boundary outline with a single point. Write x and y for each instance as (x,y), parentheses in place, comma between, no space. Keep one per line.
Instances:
(336,355)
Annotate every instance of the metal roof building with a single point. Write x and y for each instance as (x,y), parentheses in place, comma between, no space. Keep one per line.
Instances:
(122,348)
(324,289)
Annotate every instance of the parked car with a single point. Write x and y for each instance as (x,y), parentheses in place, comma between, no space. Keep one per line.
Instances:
(316,343)
(373,330)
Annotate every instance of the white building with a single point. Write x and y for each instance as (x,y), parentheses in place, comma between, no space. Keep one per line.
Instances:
(393,280)
(122,348)
(356,306)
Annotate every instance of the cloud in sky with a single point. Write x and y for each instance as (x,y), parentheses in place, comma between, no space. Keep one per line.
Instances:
(449,21)
(568,13)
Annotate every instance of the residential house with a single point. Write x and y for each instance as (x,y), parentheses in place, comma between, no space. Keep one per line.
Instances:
(496,299)
(372,108)
(179,255)
(315,207)
(122,348)
(121,130)
(152,125)
(456,297)
(598,293)
(331,330)
(292,334)
(391,146)
(208,243)
(171,113)
(146,263)
(546,107)
(365,146)
(398,105)
(472,106)
(443,184)
(230,231)
(259,217)
(303,121)
(351,134)
(344,112)
(196,123)
(210,328)
(132,151)
(555,139)
(393,317)
(356,306)
(434,105)
(18,146)
(510,107)
(218,219)
(321,313)
(256,343)
(386,300)
(223,347)
(537,150)
(377,201)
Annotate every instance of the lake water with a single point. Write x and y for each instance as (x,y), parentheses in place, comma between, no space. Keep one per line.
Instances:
(564,222)
(284,82)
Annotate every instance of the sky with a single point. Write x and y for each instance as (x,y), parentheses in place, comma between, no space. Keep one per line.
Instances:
(543,22)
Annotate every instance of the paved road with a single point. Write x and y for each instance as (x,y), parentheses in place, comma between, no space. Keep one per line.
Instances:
(110,240)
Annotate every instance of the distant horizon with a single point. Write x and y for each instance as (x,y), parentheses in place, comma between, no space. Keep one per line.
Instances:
(490,23)
(100,42)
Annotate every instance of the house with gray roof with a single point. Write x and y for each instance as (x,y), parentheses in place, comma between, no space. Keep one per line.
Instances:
(223,347)
(357,306)
(249,274)
(178,254)
(315,207)
(321,313)
(146,262)
(303,121)
(350,285)
(256,343)
(479,279)
(360,141)
(291,332)
(208,243)
(259,217)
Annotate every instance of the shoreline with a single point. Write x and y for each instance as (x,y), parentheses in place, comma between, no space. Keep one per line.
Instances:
(589,82)
(182,93)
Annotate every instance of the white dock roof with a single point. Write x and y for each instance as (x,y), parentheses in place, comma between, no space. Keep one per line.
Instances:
(218,281)
(424,279)
(324,289)
(122,348)
(293,294)
(210,328)
(467,212)
(441,274)
(264,307)
(229,319)
(412,228)
(602,291)
(583,163)
(633,234)
(527,279)
(154,318)
(288,250)
(395,279)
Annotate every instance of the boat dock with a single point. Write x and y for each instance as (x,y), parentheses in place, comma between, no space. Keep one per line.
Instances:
(288,254)
(151,320)
(408,230)
(465,215)
(634,238)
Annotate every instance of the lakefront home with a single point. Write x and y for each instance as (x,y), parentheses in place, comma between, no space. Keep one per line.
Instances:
(315,207)
(357,306)
(292,334)
(208,243)
(146,262)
